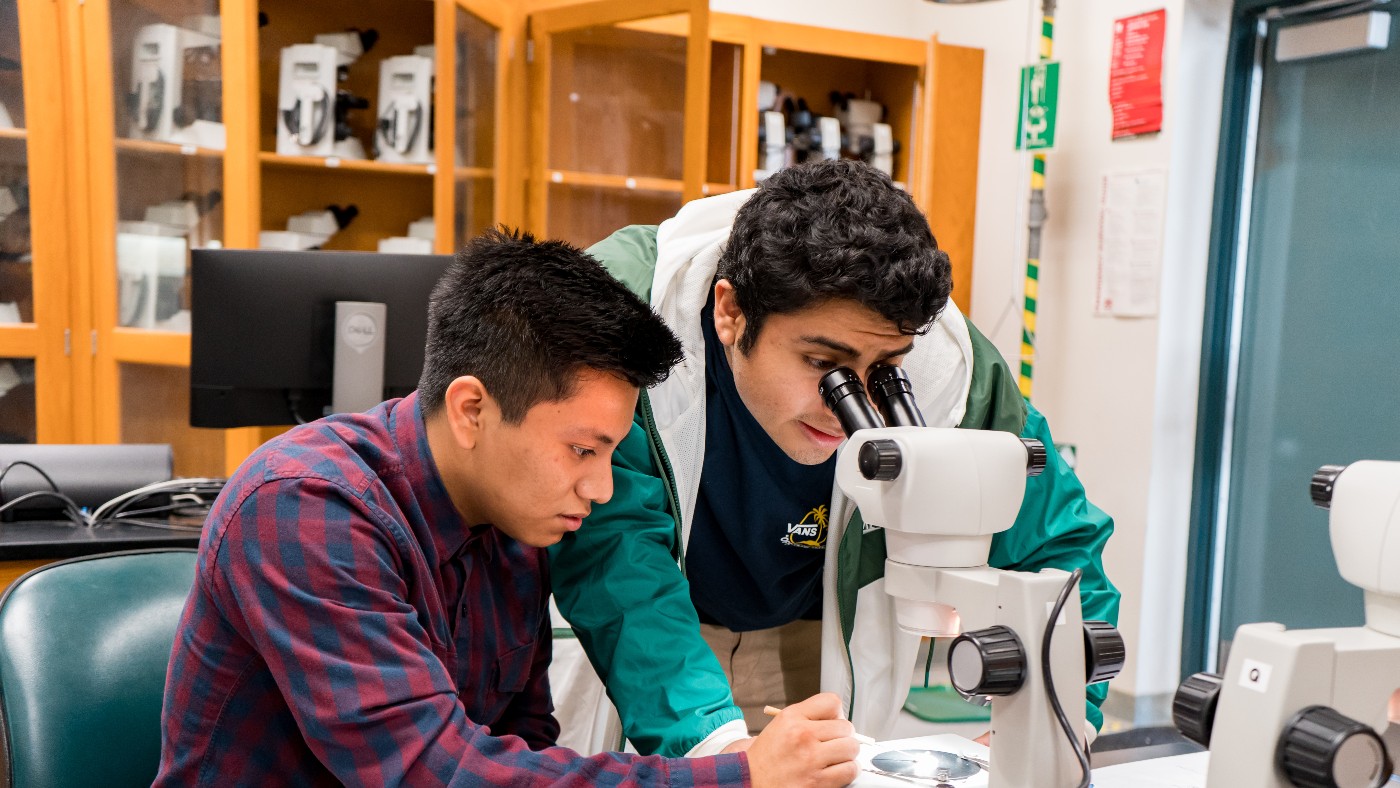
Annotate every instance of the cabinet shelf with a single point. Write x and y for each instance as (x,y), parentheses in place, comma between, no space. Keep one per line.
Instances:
(599,180)
(476,173)
(143,346)
(351,165)
(166,148)
(19,340)
(13,134)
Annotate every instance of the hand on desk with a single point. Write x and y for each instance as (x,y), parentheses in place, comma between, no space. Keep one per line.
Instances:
(807,744)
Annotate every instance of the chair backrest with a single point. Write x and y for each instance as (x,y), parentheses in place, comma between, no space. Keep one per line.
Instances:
(84,646)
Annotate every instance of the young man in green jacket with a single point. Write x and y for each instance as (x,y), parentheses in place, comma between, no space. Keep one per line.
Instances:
(727,557)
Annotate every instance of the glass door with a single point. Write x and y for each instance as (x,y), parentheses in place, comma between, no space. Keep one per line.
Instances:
(479,81)
(18,423)
(619,98)
(36,402)
(1301,370)
(158,141)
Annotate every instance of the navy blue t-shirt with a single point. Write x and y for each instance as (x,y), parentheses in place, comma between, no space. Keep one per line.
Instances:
(758,539)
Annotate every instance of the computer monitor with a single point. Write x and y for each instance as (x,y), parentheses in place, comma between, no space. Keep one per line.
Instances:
(263,342)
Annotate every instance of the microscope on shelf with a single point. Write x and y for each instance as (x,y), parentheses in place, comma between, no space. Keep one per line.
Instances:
(153,259)
(867,137)
(176,83)
(309,230)
(312,109)
(1308,707)
(940,494)
(404,130)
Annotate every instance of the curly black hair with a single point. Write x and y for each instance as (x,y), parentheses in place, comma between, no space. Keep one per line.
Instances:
(834,229)
(526,317)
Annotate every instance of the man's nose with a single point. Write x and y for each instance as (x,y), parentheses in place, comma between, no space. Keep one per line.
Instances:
(597,486)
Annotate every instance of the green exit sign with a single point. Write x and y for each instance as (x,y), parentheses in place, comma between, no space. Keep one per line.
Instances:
(1040,89)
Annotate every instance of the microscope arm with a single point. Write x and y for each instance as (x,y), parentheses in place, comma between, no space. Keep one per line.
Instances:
(1059,528)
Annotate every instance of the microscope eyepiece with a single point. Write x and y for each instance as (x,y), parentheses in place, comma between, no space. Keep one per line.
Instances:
(1321,486)
(843,392)
(894,396)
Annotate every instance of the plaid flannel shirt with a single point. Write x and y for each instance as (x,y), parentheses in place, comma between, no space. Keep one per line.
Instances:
(346,626)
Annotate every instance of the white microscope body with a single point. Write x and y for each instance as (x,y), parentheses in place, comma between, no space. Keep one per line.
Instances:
(403,132)
(940,495)
(159,56)
(1305,707)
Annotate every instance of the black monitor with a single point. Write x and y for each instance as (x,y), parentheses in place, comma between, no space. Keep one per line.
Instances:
(263,329)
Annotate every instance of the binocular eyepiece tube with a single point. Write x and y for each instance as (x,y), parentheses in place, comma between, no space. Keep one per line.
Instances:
(843,392)
(894,396)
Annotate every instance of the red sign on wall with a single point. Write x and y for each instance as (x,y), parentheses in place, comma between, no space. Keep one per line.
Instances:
(1135,76)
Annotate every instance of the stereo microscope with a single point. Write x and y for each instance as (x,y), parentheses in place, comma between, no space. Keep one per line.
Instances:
(1308,707)
(940,495)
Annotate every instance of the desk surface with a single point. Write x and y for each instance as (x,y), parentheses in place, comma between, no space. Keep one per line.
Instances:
(1181,771)
(53,539)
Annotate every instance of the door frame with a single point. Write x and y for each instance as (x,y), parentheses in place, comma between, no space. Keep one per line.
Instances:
(1220,327)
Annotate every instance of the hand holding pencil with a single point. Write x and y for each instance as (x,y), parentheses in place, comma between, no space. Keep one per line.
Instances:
(807,744)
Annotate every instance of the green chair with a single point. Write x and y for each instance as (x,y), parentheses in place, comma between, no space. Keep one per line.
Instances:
(84,646)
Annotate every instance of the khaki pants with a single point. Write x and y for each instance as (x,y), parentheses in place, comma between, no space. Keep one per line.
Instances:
(768,667)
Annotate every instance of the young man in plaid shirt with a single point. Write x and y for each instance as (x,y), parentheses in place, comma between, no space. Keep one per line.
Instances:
(370,601)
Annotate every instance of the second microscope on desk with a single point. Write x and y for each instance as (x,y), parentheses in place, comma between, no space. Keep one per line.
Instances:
(940,495)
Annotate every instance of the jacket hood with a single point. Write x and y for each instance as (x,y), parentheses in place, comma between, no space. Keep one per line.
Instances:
(688,251)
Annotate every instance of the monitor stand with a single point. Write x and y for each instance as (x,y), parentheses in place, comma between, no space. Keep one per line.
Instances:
(358,377)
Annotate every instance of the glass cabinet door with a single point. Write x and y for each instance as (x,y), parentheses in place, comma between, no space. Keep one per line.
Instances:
(478,83)
(167,89)
(164,65)
(619,94)
(17,418)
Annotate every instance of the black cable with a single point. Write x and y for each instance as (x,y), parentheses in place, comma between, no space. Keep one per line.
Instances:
(1080,751)
(928,663)
(294,400)
(70,507)
(27,464)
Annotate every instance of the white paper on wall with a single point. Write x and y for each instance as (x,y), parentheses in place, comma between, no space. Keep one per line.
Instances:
(1131,208)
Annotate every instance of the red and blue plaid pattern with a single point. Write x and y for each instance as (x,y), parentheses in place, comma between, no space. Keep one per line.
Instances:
(346,626)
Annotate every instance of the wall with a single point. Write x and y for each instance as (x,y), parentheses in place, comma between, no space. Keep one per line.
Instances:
(1123,391)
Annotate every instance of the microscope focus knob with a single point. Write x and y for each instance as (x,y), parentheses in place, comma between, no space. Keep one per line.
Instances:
(1193,708)
(1035,456)
(880,460)
(1322,482)
(1321,748)
(988,661)
(1104,651)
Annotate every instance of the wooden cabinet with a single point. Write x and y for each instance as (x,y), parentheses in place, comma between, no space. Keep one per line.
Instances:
(102,352)
(637,107)
(37,374)
(571,119)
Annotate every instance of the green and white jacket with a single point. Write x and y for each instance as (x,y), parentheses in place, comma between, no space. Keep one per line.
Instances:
(620,580)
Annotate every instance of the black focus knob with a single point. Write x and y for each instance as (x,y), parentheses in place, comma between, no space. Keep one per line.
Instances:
(1193,708)
(1104,651)
(988,661)
(1322,482)
(880,460)
(1035,456)
(1322,748)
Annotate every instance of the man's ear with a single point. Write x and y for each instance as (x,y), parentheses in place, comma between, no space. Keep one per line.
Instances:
(729,318)
(467,406)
